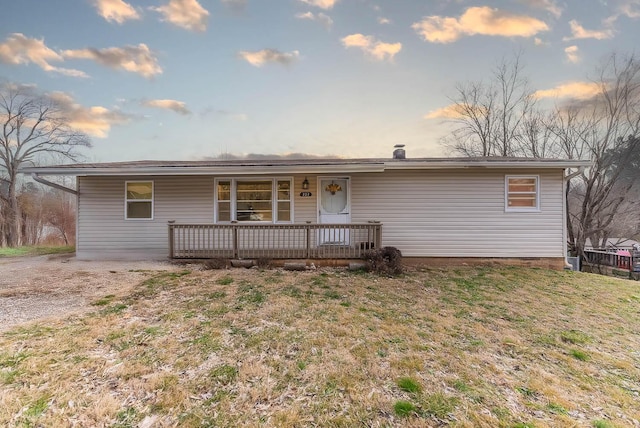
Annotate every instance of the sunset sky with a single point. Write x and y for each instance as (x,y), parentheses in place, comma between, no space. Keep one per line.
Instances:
(186,79)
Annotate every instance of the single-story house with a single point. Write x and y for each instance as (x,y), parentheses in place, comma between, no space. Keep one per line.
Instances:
(614,244)
(441,209)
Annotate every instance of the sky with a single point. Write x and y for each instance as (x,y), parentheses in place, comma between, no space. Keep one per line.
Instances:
(191,79)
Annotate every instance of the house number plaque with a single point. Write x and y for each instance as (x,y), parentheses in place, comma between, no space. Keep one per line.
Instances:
(305,194)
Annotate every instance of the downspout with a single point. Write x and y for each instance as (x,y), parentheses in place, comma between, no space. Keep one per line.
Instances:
(39,179)
(566,180)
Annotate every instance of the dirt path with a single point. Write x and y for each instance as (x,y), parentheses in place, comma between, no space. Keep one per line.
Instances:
(33,288)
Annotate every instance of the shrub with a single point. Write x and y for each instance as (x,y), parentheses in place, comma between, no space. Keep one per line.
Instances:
(385,260)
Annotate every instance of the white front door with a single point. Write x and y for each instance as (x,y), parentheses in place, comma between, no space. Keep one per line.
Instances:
(334,208)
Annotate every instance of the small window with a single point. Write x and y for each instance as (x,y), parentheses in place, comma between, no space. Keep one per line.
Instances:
(522,193)
(139,200)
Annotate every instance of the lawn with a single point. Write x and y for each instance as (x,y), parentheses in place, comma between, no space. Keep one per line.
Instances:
(35,250)
(465,347)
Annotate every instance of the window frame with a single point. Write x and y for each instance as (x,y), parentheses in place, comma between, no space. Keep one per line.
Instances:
(233,201)
(507,194)
(127,200)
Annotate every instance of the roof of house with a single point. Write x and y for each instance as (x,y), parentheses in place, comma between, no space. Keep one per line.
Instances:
(288,166)
(614,243)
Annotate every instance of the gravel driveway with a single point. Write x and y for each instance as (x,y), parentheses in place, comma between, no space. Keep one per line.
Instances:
(33,288)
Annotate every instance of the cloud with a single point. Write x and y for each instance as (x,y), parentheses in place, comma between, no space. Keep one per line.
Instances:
(538,41)
(382,20)
(573,90)
(630,8)
(173,105)
(573,55)
(549,5)
(188,14)
(579,32)
(478,20)
(260,156)
(451,111)
(235,5)
(322,4)
(116,10)
(259,58)
(95,121)
(18,49)
(242,117)
(371,46)
(136,59)
(323,19)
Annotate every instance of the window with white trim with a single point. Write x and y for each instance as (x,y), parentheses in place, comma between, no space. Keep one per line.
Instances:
(138,200)
(522,193)
(254,200)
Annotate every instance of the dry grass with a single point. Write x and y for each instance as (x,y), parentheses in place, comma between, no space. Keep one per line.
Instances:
(466,347)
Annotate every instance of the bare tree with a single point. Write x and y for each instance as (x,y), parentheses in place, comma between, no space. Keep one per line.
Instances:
(59,214)
(495,117)
(606,130)
(33,126)
(30,201)
(500,118)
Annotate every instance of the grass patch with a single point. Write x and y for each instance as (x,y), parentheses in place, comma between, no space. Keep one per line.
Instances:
(579,355)
(574,337)
(113,309)
(408,384)
(556,408)
(35,250)
(224,374)
(226,280)
(34,410)
(467,347)
(404,408)
(439,405)
(104,301)
(250,293)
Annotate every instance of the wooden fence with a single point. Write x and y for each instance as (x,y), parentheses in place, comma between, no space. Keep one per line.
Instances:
(273,241)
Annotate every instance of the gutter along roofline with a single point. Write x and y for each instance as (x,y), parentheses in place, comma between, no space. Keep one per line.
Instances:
(331,166)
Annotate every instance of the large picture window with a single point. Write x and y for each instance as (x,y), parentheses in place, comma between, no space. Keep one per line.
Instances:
(139,200)
(522,193)
(254,200)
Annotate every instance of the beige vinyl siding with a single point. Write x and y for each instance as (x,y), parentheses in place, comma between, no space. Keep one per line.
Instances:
(437,213)
(305,207)
(103,231)
(459,213)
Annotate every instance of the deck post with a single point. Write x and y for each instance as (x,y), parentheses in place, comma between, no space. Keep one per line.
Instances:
(235,241)
(378,233)
(171,239)
(308,241)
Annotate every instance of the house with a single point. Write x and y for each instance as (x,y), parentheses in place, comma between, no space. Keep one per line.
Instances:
(440,209)
(614,244)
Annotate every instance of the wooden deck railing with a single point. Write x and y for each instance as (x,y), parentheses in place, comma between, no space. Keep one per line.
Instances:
(274,241)
(629,261)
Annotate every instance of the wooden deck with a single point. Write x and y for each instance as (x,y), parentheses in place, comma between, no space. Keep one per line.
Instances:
(627,261)
(273,241)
